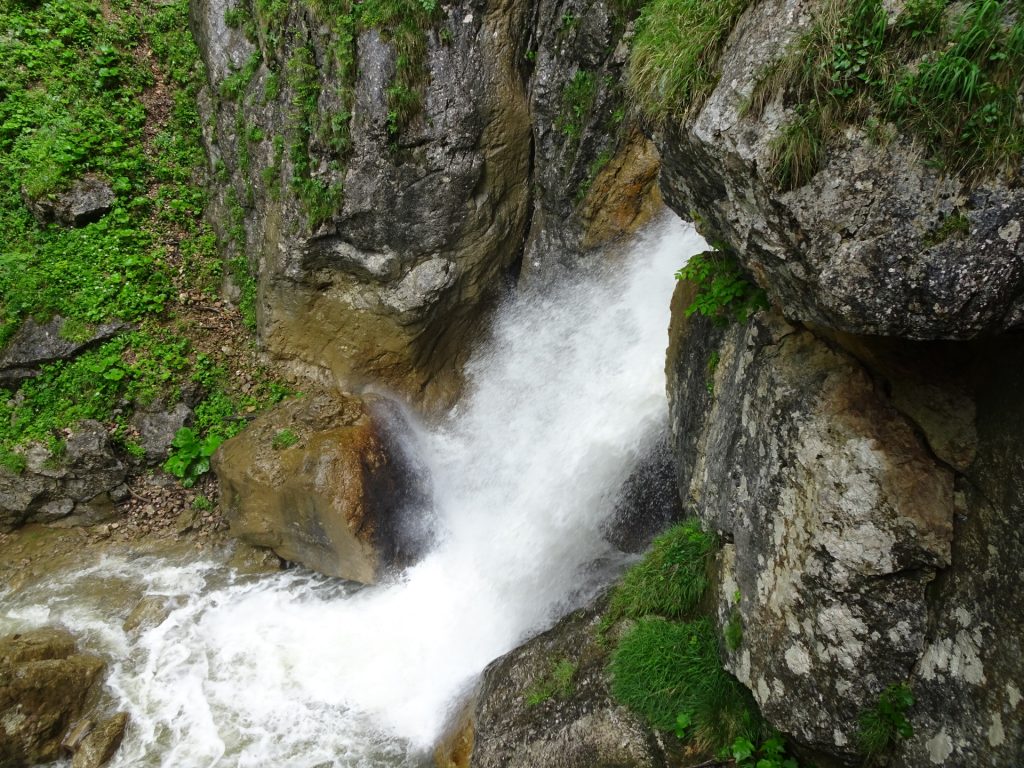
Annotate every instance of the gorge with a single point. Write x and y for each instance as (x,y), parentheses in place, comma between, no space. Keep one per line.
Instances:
(415,314)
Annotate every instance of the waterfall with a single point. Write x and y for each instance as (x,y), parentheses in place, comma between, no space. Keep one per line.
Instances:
(298,670)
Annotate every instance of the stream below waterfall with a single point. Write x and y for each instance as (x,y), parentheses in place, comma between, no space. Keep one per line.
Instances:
(299,670)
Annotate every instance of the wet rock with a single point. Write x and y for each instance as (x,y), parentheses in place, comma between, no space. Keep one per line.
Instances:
(36,344)
(836,515)
(860,247)
(577,726)
(157,427)
(150,611)
(101,743)
(247,559)
(45,684)
(342,495)
(648,502)
(70,489)
(88,200)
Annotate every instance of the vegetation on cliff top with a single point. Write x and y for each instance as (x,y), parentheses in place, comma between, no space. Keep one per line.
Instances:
(949,78)
(108,90)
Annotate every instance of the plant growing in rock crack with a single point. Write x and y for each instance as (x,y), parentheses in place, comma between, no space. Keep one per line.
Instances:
(770,753)
(557,683)
(286,438)
(190,455)
(724,292)
(884,724)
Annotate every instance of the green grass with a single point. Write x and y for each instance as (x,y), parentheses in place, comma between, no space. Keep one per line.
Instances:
(72,101)
(286,438)
(670,580)
(948,79)
(885,723)
(577,102)
(673,63)
(666,670)
(557,683)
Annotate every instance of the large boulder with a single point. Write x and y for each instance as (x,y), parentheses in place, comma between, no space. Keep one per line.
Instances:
(863,246)
(868,493)
(45,684)
(547,703)
(78,486)
(87,200)
(326,481)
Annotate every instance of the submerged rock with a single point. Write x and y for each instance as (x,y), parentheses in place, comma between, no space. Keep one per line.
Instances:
(45,684)
(326,482)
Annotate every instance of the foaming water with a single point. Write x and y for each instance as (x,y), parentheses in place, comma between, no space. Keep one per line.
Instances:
(299,670)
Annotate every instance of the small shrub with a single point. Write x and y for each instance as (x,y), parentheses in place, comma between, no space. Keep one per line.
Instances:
(770,753)
(663,669)
(670,580)
(286,438)
(190,457)
(882,725)
(202,503)
(725,293)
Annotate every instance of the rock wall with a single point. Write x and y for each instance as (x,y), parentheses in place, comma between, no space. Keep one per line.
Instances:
(378,245)
(863,472)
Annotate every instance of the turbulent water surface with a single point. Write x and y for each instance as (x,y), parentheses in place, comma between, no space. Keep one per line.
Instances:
(299,670)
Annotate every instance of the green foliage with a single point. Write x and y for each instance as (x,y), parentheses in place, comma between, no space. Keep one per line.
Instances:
(557,683)
(952,84)
(884,724)
(234,85)
(663,669)
(202,503)
(724,291)
(734,631)
(673,64)
(712,366)
(954,225)
(670,580)
(577,101)
(770,753)
(190,455)
(286,438)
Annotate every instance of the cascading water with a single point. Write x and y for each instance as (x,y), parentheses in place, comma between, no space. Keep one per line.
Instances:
(299,670)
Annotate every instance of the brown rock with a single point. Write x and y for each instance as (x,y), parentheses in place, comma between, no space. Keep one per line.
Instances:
(44,686)
(101,742)
(344,500)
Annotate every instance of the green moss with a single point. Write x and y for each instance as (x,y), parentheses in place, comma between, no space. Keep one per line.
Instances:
(673,63)
(557,683)
(670,580)
(663,669)
(285,438)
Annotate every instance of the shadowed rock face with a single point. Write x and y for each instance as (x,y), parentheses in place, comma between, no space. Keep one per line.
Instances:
(854,248)
(346,498)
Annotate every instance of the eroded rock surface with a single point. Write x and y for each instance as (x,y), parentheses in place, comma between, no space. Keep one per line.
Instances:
(45,684)
(340,494)
(79,486)
(519,719)
(858,248)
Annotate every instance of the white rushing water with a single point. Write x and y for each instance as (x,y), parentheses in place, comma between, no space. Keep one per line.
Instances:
(299,670)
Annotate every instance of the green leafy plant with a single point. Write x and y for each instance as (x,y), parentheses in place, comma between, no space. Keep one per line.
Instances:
(286,438)
(770,753)
(884,724)
(724,291)
(557,683)
(577,101)
(191,455)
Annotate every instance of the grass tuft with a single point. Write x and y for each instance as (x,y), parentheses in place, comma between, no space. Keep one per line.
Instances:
(673,64)
(670,580)
(665,670)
